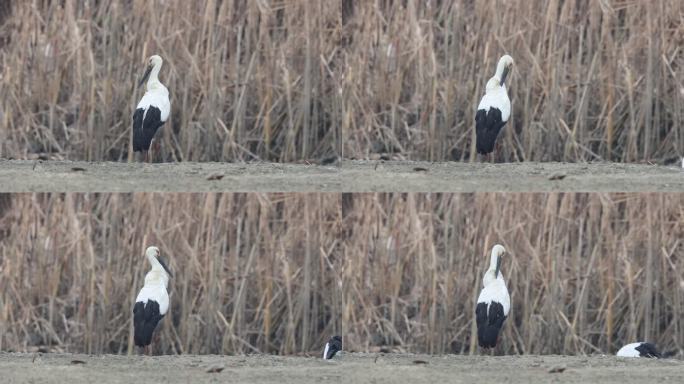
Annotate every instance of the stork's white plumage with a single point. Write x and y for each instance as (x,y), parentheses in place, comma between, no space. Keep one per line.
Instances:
(640,349)
(153,109)
(152,303)
(494,302)
(494,108)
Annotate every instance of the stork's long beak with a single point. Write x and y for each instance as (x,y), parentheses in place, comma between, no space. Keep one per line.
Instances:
(498,261)
(147,74)
(163,264)
(505,74)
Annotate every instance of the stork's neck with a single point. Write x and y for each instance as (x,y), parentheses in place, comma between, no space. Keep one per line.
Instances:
(153,82)
(494,86)
(156,265)
(492,262)
(157,277)
(489,277)
(500,70)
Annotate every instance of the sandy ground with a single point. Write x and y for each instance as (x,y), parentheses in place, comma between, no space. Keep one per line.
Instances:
(347,176)
(353,368)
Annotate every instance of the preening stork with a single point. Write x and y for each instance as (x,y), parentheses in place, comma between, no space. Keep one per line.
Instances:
(493,303)
(153,109)
(639,350)
(494,108)
(152,303)
(333,346)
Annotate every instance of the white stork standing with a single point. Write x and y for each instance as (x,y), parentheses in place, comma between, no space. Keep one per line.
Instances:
(494,108)
(152,302)
(333,346)
(153,109)
(639,350)
(493,303)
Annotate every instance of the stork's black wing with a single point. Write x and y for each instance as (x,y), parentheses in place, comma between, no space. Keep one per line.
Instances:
(138,130)
(648,350)
(488,124)
(145,129)
(489,323)
(146,316)
(334,346)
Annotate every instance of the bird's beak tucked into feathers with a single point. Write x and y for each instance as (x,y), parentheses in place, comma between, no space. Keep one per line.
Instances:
(147,74)
(498,263)
(166,268)
(504,75)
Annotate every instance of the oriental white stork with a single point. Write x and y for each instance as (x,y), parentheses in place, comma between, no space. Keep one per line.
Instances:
(333,346)
(639,350)
(494,108)
(152,303)
(153,109)
(493,303)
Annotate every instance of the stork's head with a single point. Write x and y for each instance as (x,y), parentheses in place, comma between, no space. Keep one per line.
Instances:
(152,252)
(153,255)
(153,63)
(156,60)
(503,68)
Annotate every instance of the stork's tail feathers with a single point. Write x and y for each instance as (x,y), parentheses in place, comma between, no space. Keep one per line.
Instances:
(487,336)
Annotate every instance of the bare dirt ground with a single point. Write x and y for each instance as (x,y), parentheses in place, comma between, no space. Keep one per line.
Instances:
(346,176)
(352,368)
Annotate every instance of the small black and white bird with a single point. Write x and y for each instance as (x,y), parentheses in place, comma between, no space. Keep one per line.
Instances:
(333,346)
(639,350)
(152,303)
(153,109)
(493,303)
(494,108)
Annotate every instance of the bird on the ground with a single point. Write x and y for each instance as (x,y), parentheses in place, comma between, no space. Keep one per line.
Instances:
(152,303)
(494,302)
(333,346)
(494,108)
(153,109)
(640,349)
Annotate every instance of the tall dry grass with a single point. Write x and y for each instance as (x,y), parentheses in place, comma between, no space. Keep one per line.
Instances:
(285,80)
(281,273)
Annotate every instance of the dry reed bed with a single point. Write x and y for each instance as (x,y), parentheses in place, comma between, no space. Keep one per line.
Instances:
(280,273)
(285,80)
